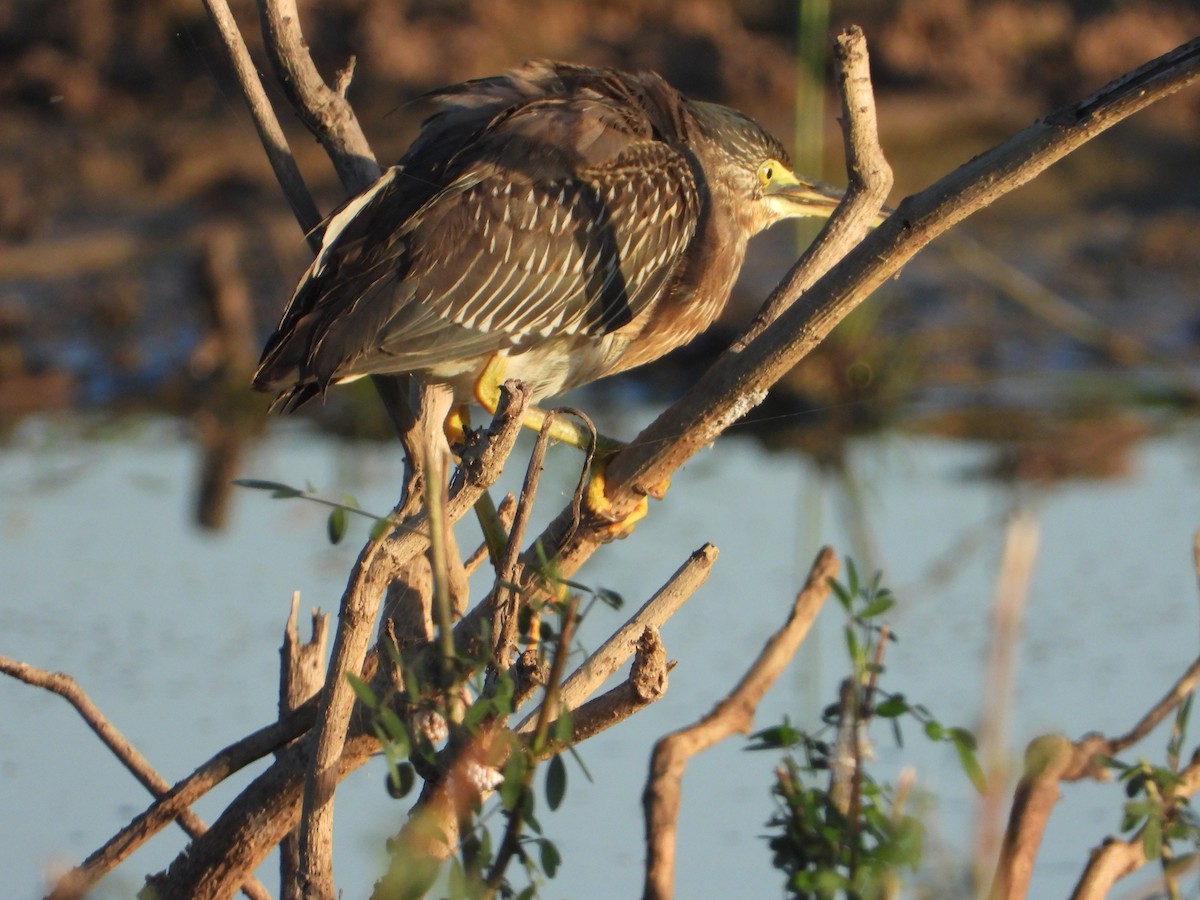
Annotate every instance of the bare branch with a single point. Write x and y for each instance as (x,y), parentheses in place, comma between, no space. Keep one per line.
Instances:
(735,713)
(1053,759)
(183,794)
(322,109)
(869,181)
(301,675)
(269,131)
(611,655)
(647,682)
(68,688)
(375,566)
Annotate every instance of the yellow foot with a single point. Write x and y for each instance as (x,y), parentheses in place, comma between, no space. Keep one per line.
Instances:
(456,425)
(487,393)
(597,502)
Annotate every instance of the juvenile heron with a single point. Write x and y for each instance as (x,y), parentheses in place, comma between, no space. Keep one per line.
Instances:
(556,224)
(563,223)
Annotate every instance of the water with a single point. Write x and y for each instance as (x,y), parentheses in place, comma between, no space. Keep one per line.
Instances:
(174,633)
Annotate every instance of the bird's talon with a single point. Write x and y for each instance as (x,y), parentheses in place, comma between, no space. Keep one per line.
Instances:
(598,504)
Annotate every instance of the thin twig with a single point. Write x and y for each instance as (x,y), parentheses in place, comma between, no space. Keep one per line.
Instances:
(287,173)
(130,757)
(505,603)
(323,110)
(512,832)
(613,653)
(663,794)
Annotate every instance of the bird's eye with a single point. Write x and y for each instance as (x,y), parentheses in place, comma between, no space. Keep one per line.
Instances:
(766,172)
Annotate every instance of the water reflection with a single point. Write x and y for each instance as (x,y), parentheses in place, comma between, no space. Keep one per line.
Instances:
(175,633)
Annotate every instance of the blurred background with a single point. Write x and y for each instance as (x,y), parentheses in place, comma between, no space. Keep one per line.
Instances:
(1042,358)
(147,250)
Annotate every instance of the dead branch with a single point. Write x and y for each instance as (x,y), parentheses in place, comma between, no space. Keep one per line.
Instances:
(611,655)
(735,713)
(68,688)
(1053,759)
(647,682)
(323,109)
(287,173)
(379,560)
(179,798)
(870,181)
(301,675)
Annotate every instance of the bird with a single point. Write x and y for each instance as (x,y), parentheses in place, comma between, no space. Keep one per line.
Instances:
(557,223)
(574,222)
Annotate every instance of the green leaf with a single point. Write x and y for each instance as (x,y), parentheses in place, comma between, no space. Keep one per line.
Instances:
(852,583)
(970,764)
(556,783)
(564,727)
(1111,762)
(1136,784)
(934,731)
(456,881)
(277,488)
(582,765)
(530,819)
(513,787)
(892,707)
(362,690)
(395,729)
(843,596)
(380,528)
(610,598)
(962,737)
(337,524)
(853,648)
(1152,839)
(400,780)
(877,607)
(551,859)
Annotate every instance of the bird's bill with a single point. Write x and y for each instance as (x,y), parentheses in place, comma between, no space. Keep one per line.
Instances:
(804,198)
(811,198)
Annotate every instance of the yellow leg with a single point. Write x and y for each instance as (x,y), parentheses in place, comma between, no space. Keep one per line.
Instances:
(456,425)
(487,392)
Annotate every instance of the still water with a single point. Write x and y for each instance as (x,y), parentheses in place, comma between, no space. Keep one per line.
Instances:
(174,633)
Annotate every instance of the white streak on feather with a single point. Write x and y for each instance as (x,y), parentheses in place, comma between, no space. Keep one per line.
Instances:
(338,222)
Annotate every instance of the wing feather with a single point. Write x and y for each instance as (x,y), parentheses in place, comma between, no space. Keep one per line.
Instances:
(557,215)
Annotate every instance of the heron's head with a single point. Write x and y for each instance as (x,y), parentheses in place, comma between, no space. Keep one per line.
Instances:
(751,167)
